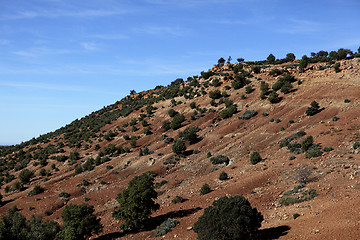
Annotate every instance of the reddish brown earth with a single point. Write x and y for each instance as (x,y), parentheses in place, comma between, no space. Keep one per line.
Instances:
(333,214)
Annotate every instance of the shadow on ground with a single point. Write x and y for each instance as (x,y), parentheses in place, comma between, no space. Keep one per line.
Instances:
(152,223)
(272,233)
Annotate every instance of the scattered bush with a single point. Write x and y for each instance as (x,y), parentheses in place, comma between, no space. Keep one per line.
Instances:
(205,189)
(223,176)
(25,176)
(273,97)
(36,190)
(248,114)
(356,145)
(314,151)
(178,147)
(313,109)
(255,158)
(64,195)
(79,222)
(302,173)
(178,199)
(328,149)
(228,218)
(219,159)
(166,227)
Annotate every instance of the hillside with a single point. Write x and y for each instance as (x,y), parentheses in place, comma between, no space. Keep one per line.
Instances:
(105,148)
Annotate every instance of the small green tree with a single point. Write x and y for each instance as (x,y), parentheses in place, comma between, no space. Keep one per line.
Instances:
(228,219)
(178,147)
(273,97)
(79,222)
(255,158)
(223,176)
(25,176)
(271,58)
(221,62)
(205,189)
(137,202)
(313,109)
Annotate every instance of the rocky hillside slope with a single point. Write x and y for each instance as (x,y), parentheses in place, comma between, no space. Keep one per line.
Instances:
(128,138)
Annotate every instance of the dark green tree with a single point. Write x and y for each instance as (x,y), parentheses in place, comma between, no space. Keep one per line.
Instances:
(255,157)
(313,109)
(221,62)
(137,202)
(290,57)
(79,222)
(178,147)
(228,219)
(271,58)
(25,176)
(177,121)
(273,97)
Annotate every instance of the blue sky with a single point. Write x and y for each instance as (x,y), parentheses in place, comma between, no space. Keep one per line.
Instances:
(63,59)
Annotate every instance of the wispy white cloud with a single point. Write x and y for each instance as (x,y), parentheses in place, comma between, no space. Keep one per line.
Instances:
(62,13)
(110,36)
(296,26)
(161,30)
(42,86)
(39,51)
(89,46)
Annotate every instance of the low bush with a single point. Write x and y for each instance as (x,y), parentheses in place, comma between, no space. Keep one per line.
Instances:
(223,176)
(219,159)
(178,199)
(166,227)
(255,158)
(228,218)
(205,189)
(248,114)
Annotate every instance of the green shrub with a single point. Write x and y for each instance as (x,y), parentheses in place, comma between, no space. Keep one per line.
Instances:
(79,222)
(313,109)
(136,202)
(14,226)
(228,112)
(314,151)
(64,195)
(223,176)
(335,118)
(296,215)
(178,199)
(205,189)
(273,97)
(36,190)
(307,143)
(219,159)
(306,195)
(208,154)
(347,100)
(328,149)
(166,227)
(159,184)
(248,114)
(255,158)
(178,147)
(25,176)
(356,145)
(215,94)
(228,218)
(177,121)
